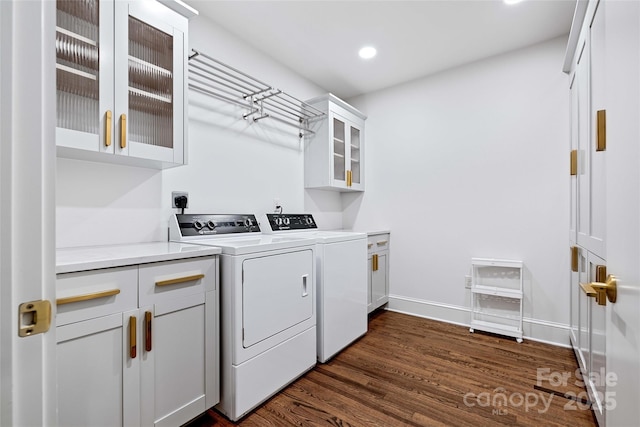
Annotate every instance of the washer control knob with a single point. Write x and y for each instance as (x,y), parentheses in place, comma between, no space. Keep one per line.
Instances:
(287,221)
(309,220)
(248,223)
(198,225)
(211,225)
(278,221)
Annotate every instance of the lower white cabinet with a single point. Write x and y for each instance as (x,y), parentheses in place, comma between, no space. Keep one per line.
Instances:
(138,345)
(378,276)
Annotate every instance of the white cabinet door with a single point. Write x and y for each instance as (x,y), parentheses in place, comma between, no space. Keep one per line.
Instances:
(380,281)
(346,143)
(173,369)
(149,83)
(179,351)
(84,75)
(97,376)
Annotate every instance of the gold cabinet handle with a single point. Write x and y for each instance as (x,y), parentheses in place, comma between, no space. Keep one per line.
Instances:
(575,253)
(147,330)
(573,165)
(180,280)
(349,178)
(108,118)
(602,291)
(123,131)
(601,130)
(132,336)
(374,262)
(87,297)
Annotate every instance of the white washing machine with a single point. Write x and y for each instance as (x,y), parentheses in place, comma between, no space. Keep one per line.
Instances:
(268,312)
(341,279)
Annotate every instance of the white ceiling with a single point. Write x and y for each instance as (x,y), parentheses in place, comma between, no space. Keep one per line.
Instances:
(320,39)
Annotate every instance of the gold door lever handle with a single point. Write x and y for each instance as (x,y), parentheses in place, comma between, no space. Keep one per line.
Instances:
(602,291)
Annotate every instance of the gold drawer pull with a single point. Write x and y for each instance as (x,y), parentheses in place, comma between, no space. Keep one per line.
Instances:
(147,330)
(87,297)
(382,242)
(369,245)
(180,280)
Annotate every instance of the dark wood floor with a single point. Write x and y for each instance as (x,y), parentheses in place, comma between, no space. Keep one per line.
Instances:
(409,371)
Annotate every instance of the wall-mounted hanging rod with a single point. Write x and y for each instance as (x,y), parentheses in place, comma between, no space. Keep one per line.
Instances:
(211,77)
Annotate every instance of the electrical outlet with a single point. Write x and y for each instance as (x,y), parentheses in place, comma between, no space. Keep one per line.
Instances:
(467,281)
(276,204)
(176,195)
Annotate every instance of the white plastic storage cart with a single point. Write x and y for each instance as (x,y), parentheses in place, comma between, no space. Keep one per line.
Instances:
(496,296)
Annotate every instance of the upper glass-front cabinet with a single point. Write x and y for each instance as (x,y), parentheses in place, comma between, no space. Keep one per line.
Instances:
(334,154)
(121,81)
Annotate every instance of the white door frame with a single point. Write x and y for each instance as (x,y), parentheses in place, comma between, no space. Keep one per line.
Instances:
(27,208)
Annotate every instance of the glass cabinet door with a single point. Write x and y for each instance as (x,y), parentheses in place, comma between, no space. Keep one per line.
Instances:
(149,83)
(339,152)
(82,101)
(355,155)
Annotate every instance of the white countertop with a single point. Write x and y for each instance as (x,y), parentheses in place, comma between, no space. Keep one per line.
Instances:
(94,257)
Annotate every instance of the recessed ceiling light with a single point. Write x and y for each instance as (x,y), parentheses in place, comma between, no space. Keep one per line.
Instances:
(367,52)
(512,1)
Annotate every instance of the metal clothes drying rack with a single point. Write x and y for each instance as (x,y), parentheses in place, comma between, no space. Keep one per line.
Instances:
(219,80)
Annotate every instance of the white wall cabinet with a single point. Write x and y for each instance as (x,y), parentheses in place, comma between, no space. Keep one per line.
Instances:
(138,345)
(496,296)
(121,81)
(334,153)
(378,261)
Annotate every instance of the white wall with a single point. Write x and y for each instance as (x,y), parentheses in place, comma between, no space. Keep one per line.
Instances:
(234,165)
(472,163)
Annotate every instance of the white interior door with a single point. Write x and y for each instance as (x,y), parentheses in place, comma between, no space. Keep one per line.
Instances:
(27,211)
(623,210)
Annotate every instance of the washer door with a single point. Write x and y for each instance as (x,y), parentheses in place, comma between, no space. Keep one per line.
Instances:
(277,293)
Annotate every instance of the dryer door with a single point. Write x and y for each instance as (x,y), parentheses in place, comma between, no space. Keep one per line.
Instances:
(277,293)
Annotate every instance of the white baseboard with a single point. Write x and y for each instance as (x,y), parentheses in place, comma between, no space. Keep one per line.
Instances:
(534,329)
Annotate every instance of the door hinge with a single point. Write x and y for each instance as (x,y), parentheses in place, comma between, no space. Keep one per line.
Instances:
(34,318)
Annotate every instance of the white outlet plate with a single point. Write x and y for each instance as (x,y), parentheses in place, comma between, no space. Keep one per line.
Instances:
(467,281)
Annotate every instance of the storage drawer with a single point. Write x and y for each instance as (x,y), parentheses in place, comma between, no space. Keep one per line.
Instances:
(165,281)
(95,293)
(378,242)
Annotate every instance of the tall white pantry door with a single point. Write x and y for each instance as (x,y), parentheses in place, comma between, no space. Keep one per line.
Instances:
(623,209)
(27,208)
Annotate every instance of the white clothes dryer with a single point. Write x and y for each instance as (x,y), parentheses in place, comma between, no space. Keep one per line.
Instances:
(341,279)
(268,311)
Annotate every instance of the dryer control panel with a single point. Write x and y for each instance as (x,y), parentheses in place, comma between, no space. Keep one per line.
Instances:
(279,222)
(215,224)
